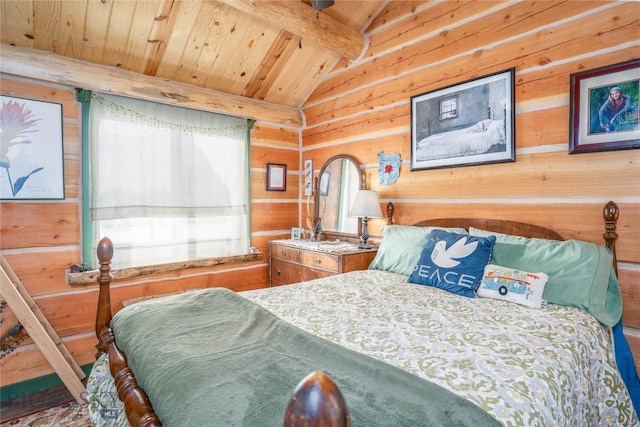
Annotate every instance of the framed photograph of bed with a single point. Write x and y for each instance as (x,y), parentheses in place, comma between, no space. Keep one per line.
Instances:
(604,108)
(469,123)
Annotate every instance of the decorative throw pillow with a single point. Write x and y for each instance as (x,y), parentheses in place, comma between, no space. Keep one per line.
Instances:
(401,247)
(508,284)
(580,273)
(453,262)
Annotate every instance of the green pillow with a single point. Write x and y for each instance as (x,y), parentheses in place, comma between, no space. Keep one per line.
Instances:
(580,273)
(401,247)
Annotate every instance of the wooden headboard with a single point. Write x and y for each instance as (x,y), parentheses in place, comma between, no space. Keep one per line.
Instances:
(495,225)
(610,214)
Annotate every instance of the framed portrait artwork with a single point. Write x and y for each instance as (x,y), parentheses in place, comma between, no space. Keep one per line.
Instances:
(469,123)
(604,108)
(31,150)
(276,177)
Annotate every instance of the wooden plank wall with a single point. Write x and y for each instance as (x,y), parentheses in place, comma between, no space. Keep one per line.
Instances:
(415,47)
(42,239)
(363,109)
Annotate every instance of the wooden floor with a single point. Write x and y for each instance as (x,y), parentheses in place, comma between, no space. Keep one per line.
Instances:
(25,404)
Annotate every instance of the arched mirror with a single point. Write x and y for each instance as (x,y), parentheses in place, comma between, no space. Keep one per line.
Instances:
(339,180)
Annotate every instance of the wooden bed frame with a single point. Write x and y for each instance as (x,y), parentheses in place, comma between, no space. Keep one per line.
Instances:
(330,409)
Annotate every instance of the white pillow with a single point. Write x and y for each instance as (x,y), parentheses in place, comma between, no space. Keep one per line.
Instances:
(508,284)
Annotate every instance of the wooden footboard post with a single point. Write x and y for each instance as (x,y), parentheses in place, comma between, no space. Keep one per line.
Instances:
(317,401)
(103,315)
(136,402)
(611,213)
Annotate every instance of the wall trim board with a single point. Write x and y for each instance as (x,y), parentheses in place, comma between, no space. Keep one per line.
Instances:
(255,143)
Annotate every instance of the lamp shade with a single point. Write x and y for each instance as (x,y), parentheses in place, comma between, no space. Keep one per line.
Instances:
(366,205)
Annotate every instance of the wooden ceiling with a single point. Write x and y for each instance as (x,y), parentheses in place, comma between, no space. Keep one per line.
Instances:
(246,48)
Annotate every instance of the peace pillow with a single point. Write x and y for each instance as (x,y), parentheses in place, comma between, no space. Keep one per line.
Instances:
(401,247)
(453,262)
(517,286)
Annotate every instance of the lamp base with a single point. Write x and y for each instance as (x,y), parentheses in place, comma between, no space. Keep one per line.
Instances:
(364,238)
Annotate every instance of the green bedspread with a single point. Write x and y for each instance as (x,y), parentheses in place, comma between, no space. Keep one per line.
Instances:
(212,357)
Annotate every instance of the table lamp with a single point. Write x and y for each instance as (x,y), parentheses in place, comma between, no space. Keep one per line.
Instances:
(365,206)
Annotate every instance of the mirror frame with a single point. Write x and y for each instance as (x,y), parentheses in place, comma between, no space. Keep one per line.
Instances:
(332,235)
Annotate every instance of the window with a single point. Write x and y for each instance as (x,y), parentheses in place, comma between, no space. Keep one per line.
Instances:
(449,108)
(167,184)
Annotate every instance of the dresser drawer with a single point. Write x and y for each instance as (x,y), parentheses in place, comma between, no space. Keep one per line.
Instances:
(320,260)
(283,273)
(285,253)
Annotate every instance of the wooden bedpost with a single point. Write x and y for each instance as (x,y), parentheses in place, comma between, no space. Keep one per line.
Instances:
(103,315)
(390,209)
(137,405)
(316,402)
(610,214)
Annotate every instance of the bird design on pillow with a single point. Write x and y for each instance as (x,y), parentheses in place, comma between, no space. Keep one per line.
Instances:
(447,257)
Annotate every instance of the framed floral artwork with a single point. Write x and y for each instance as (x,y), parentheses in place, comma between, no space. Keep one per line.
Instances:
(604,108)
(31,150)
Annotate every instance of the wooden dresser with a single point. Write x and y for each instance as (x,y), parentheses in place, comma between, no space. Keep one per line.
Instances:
(291,263)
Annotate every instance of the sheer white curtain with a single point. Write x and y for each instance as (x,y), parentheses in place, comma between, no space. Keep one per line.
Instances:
(167,183)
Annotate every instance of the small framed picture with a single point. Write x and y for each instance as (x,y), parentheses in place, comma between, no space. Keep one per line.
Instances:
(604,108)
(276,177)
(296,233)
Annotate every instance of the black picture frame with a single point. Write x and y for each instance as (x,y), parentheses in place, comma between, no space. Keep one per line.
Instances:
(469,123)
(276,177)
(604,108)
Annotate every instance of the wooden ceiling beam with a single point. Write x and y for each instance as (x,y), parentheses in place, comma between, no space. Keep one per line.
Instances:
(49,67)
(300,19)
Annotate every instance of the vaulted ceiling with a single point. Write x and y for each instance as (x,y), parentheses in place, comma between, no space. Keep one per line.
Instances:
(266,50)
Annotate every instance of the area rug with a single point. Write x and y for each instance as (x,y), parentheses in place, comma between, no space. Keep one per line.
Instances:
(69,414)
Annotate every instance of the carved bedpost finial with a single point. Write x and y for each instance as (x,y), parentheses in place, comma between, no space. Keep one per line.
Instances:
(105,254)
(316,402)
(390,209)
(610,214)
(103,315)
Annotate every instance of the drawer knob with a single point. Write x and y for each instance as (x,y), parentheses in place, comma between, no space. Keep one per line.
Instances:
(278,272)
(283,253)
(317,260)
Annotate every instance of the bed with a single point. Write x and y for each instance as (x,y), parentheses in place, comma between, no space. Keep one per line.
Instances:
(378,349)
